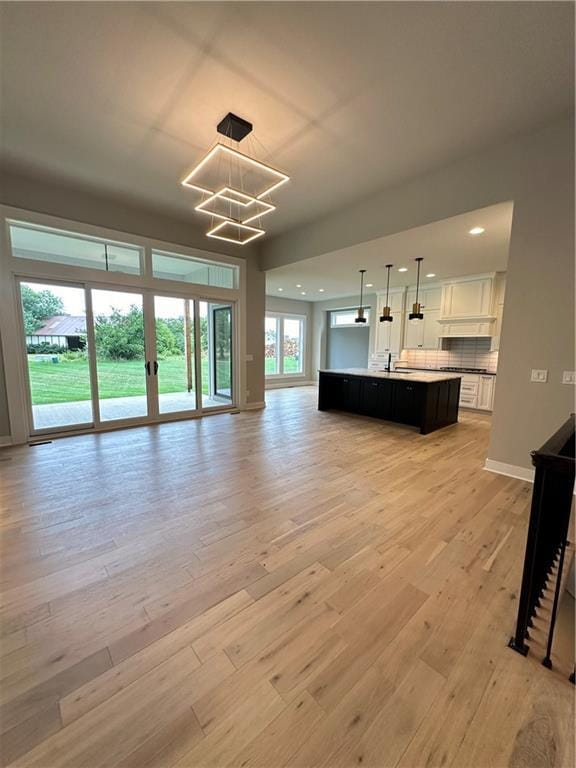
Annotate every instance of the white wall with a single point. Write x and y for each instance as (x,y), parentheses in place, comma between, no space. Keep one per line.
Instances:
(536,172)
(293,306)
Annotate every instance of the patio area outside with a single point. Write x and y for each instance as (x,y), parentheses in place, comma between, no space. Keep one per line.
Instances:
(60,386)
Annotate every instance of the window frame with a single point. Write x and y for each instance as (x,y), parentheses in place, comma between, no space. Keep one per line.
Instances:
(280,317)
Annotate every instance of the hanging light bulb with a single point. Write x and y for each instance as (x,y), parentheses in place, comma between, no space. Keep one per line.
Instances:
(360,316)
(416,313)
(386,315)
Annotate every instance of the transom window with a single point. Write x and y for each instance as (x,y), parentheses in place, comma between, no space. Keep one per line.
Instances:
(31,241)
(284,345)
(346,317)
(48,244)
(188,269)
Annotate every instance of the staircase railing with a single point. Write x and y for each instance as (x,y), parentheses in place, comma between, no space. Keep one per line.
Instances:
(547,533)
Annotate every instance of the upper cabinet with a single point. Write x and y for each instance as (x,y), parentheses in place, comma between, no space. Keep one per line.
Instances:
(499,291)
(423,334)
(430,297)
(387,336)
(468,306)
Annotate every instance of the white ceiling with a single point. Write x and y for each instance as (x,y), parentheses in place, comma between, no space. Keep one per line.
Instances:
(446,246)
(346,97)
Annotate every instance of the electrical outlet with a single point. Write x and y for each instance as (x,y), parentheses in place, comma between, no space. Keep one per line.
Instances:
(540,376)
(569,377)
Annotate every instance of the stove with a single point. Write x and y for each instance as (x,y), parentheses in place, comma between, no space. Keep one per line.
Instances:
(456,369)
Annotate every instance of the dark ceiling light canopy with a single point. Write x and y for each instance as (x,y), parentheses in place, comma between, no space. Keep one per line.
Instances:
(416,313)
(234,127)
(386,315)
(360,316)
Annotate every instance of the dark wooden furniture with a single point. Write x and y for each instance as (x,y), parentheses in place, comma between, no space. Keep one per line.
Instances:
(547,532)
(429,405)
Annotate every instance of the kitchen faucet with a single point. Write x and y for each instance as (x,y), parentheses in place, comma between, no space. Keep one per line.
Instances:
(389,362)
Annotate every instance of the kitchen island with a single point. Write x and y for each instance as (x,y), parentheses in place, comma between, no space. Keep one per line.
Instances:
(425,400)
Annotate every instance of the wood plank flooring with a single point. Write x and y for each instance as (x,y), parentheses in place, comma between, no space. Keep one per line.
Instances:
(266,589)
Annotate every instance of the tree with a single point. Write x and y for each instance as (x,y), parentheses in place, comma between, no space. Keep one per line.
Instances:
(120,336)
(38,306)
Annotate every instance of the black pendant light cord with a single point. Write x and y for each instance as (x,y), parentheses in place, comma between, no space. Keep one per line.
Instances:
(388,267)
(106,255)
(418,278)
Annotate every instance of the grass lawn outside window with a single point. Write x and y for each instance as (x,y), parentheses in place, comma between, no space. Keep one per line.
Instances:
(291,366)
(68,380)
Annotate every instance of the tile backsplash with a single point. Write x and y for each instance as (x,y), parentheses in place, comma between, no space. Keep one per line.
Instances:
(463,353)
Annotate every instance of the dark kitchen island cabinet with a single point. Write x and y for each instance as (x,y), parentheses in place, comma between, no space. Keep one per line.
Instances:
(425,400)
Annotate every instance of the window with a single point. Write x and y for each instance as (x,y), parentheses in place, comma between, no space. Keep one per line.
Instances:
(345,317)
(30,241)
(284,345)
(175,266)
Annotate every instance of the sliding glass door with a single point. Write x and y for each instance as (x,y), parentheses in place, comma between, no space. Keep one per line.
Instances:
(216,354)
(96,356)
(122,366)
(56,355)
(175,360)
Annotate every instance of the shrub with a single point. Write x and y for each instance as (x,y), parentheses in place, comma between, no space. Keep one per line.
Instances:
(44,348)
(71,355)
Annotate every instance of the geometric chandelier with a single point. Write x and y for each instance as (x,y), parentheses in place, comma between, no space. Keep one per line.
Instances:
(235,187)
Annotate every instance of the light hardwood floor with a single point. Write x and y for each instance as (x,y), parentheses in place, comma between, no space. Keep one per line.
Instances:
(276,588)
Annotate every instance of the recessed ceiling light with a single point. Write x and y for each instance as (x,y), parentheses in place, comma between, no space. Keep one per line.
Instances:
(320,290)
(477,230)
(303,293)
(403,269)
(280,289)
(298,285)
(369,285)
(431,274)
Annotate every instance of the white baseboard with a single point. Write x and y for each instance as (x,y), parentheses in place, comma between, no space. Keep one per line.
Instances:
(510,470)
(287,383)
(5,441)
(253,406)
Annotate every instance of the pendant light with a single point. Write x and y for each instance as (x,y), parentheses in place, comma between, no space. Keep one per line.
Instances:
(416,313)
(360,316)
(386,315)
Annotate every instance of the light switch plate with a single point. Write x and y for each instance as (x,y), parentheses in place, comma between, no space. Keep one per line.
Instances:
(569,377)
(540,376)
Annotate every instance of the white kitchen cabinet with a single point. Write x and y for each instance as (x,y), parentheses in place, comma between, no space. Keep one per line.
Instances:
(470,297)
(477,391)
(486,386)
(388,336)
(431,328)
(430,297)
(468,307)
(396,299)
(422,334)
(500,289)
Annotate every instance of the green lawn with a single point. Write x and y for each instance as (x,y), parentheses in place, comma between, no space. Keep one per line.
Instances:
(291,365)
(68,380)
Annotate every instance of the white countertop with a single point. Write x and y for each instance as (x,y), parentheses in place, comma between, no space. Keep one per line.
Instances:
(421,376)
(400,368)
